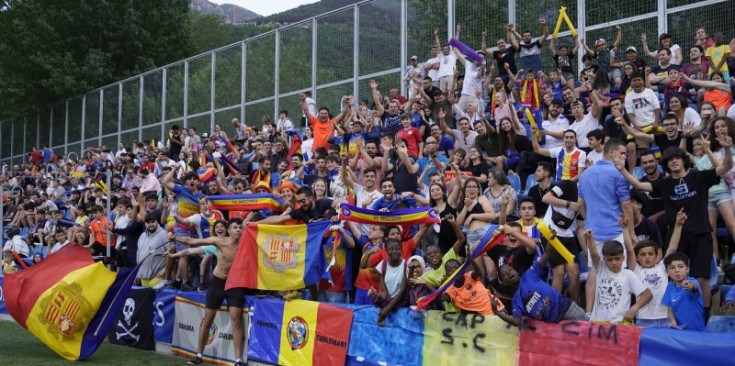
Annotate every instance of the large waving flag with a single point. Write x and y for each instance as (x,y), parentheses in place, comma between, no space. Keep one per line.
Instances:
(278,257)
(247,202)
(299,332)
(295,147)
(68,301)
(492,237)
(409,216)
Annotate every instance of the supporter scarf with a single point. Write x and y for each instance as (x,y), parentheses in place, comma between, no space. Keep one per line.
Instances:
(535,101)
(227,143)
(489,241)
(258,177)
(295,147)
(230,165)
(409,216)
(247,202)
(206,174)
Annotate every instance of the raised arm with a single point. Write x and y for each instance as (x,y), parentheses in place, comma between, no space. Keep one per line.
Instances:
(376,98)
(587,50)
(552,47)
(536,147)
(707,84)
(646,50)
(618,37)
(512,36)
(681,218)
(643,186)
(545,35)
(168,179)
(726,143)
(212,240)
(628,242)
(592,248)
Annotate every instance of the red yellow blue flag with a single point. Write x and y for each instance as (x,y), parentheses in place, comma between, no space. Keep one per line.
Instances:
(206,174)
(492,237)
(299,332)
(409,216)
(68,301)
(278,257)
(247,202)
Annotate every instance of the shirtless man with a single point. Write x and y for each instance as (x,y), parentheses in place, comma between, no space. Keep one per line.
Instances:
(226,251)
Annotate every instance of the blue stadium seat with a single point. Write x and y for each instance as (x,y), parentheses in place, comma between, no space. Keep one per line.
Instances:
(515,182)
(722,232)
(714,278)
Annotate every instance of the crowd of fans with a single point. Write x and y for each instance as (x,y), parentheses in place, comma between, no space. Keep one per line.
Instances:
(628,160)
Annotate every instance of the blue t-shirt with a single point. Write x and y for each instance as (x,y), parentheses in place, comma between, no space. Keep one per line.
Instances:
(688,307)
(536,299)
(603,187)
(424,161)
(393,205)
(445,145)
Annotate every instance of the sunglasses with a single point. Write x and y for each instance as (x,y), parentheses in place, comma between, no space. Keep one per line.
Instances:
(302,201)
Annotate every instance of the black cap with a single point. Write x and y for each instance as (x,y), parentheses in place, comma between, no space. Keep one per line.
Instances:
(557,102)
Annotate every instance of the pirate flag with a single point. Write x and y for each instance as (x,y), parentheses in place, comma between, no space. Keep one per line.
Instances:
(134,324)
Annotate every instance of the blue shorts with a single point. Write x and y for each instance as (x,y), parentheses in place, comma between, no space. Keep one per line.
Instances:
(718,199)
(185,233)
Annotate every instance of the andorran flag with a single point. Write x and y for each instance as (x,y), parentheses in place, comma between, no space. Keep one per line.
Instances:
(278,257)
(68,301)
(299,332)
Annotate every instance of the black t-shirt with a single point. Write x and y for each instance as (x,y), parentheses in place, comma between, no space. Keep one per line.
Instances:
(322,209)
(691,193)
(402,179)
(612,129)
(654,204)
(518,258)
(663,142)
(660,71)
(565,62)
(537,194)
(648,230)
(508,56)
(391,124)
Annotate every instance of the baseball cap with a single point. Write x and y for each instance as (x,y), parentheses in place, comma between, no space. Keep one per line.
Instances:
(631,49)
(205,135)
(414,58)
(600,41)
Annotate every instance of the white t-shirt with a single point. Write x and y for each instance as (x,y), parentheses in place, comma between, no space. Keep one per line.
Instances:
(691,116)
(560,125)
(731,111)
(433,72)
(673,50)
(393,276)
(472,78)
(583,127)
(642,105)
(593,157)
(446,64)
(656,280)
(58,246)
(284,124)
(613,290)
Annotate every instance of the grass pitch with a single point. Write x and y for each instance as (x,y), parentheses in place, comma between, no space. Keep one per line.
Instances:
(21,348)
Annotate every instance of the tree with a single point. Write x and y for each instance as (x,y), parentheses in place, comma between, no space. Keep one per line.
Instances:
(51,50)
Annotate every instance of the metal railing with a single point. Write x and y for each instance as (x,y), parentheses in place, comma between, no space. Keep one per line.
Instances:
(330,55)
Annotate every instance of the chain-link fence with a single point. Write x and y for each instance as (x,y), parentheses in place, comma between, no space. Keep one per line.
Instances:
(332,55)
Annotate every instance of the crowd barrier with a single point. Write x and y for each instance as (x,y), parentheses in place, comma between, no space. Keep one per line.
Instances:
(423,338)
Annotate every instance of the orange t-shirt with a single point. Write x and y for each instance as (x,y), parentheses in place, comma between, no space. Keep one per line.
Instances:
(472,296)
(99,230)
(321,130)
(719,98)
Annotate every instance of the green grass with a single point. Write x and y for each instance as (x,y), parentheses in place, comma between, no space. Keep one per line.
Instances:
(19,347)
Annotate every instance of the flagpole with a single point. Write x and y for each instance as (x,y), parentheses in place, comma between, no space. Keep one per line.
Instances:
(109,198)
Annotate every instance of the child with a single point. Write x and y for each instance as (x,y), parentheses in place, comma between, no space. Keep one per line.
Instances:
(391,272)
(412,136)
(614,285)
(469,294)
(8,263)
(650,269)
(682,297)
(416,268)
(534,297)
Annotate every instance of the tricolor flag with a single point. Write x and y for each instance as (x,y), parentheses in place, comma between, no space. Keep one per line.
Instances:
(68,301)
(492,237)
(227,143)
(247,202)
(299,332)
(206,174)
(278,257)
(409,216)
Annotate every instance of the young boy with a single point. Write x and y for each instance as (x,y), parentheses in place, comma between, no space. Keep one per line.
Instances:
(596,139)
(392,276)
(650,269)
(682,297)
(615,284)
(412,135)
(534,297)
(469,294)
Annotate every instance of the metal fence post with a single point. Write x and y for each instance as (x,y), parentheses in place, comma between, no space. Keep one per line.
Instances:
(662,17)
(356,53)
(213,88)
(277,72)
(243,78)
(581,29)
(141,92)
(186,96)
(119,114)
(100,122)
(163,101)
(404,43)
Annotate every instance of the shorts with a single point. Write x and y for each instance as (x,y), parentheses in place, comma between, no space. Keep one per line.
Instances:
(474,236)
(334,297)
(216,293)
(718,199)
(571,245)
(182,232)
(569,75)
(575,313)
(600,243)
(614,73)
(698,247)
(99,249)
(653,323)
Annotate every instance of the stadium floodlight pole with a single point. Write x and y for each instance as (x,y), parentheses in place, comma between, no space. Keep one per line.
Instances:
(2,214)
(107,227)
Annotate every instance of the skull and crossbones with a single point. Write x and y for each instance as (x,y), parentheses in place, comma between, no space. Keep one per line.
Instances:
(128,311)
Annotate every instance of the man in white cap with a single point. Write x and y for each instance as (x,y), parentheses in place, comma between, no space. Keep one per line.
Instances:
(415,72)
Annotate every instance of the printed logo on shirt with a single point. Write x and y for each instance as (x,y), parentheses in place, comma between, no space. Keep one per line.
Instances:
(609,293)
(652,279)
(639,103)
(681,192)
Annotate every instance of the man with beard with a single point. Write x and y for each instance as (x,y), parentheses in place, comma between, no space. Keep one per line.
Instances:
(226,252)
(695,68)
(310,209)
(390,119)
(431,159)
(503,55)
(152,241)
(553,129)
